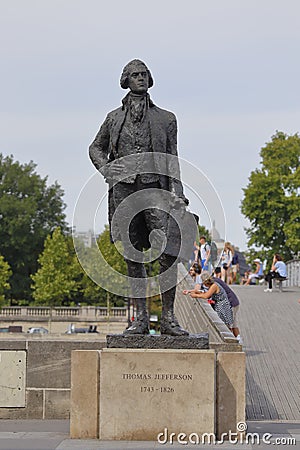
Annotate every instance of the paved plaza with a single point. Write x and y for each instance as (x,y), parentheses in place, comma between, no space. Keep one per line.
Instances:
(270,329)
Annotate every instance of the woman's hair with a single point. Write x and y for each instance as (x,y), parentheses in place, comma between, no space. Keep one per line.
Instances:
(196,268)
(278,257)
(207,278)
(229,246)
(126,72)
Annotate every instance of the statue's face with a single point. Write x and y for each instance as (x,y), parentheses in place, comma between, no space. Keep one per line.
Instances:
(138,80)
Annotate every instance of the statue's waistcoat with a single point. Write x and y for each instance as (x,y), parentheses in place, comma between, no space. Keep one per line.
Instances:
(135,139)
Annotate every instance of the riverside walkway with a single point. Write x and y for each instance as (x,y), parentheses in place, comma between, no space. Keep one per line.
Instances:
(270,328)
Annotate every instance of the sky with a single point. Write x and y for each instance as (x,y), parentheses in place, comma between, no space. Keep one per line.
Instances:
(229,70)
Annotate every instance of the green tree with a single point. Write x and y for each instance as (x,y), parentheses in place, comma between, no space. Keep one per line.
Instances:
(29,211)
(271,199)
(5,273)
(110,252)
(115,260)
(95,274)
(89,292)
(203,231)
(55,280)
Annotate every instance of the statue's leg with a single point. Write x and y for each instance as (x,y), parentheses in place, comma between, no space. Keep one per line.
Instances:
(138,282)
(130,237)
(169,323)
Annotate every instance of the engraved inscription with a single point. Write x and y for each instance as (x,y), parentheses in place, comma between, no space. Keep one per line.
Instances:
(158,376)
(159,388)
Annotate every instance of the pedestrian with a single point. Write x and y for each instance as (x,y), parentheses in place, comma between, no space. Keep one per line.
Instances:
(234,269)
(195,257)
(278,270)
(194,272)
(218,295)
(233,300)
(258,274)
(226,260)
(204,253)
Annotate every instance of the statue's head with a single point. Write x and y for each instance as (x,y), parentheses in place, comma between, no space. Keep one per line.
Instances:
(133,68)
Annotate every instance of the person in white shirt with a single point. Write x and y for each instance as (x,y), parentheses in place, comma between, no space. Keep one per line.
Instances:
(194,272)
(226,260)
(278,270)
(204,252)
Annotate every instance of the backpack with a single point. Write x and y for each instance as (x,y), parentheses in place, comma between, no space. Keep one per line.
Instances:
(235,259)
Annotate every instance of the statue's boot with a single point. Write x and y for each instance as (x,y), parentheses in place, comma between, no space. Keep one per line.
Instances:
(169,323)
(141,323)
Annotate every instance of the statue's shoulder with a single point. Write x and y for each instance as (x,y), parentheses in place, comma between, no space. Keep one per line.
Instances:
(163,113)
(112,115)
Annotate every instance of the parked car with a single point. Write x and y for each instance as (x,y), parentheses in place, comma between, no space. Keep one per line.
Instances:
(91,329)
(40,330)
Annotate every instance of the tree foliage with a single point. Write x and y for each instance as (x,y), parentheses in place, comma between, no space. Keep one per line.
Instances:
(110,252)
(271,199)
(55,280)
(29,211)
(95,274)
(5,273)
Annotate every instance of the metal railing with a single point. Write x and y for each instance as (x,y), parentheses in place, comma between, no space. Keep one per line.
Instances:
(293,273)
(64,312)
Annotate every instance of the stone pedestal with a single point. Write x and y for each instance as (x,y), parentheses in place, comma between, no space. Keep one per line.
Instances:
(231,390)
(144,392)
(84,414)
(198,341)
(138,394)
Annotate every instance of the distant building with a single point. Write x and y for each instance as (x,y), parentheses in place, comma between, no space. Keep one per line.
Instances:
(215,237)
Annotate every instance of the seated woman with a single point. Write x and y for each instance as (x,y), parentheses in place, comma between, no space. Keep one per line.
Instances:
(258,274)
(194,272)
(278,270)
(245,277)
(218,295)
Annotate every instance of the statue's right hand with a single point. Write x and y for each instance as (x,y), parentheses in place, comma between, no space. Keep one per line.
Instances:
(113,171)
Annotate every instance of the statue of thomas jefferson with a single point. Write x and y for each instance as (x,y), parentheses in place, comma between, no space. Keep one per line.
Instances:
(138,131)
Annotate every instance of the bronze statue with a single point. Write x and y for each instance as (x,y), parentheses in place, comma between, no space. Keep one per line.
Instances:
(143,134)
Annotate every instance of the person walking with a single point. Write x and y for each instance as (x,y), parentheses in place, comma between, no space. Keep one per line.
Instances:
(234,267)
(204,253)
(226,260)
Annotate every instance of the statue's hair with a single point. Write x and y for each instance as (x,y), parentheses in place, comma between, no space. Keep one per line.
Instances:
(126,73)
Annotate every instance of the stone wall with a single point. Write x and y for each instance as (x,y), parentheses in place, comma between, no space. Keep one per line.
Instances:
(47,373)
(58,320)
